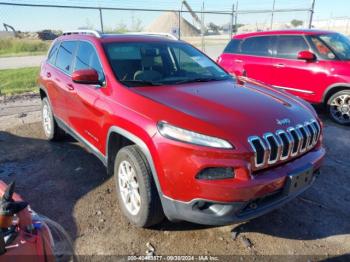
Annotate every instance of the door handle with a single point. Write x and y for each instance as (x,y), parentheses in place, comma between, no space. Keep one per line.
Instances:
(48,74)
(238,60)
(70,87)
(279,65)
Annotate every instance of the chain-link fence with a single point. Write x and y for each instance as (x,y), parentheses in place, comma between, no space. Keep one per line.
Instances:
(207,30)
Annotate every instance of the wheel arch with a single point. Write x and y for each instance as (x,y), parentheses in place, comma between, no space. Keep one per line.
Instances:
(332,89)
(117,138)
(43,93)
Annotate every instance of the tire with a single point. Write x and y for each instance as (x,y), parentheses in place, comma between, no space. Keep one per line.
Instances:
(51,130)
(338,107)
(137,193)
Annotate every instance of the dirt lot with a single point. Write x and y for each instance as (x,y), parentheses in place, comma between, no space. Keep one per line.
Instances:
(66,183)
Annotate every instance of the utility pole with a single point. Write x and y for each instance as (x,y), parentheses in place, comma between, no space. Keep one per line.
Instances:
(272,13)
(311,13)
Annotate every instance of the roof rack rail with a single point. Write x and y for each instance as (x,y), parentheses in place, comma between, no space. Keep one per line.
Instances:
(83,32)
(167,35)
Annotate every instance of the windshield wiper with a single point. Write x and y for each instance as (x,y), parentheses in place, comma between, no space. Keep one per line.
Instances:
(202,79)
(141,82)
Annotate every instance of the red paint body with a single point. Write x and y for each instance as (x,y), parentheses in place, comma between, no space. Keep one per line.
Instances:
(219,109)
(312,80)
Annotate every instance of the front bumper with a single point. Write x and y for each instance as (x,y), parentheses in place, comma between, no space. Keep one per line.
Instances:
(259,195)
(218,213)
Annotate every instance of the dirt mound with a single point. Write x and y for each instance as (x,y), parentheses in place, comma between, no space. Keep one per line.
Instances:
(169,20)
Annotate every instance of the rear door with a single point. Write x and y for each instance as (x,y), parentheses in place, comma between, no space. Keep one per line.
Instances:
(299,77)
(47,75)
(60,75)
(252,58)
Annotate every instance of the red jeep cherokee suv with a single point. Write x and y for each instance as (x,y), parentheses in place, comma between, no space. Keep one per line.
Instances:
(181,138)
(312,64)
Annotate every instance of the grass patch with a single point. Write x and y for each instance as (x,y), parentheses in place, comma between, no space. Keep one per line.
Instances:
(16,81)
(20,47)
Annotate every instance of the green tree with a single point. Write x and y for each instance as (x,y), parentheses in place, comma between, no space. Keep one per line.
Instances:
(296,22)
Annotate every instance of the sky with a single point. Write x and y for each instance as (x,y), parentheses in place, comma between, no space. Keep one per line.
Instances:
(35,18)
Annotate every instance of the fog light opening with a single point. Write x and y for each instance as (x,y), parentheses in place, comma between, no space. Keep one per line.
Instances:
(215,173)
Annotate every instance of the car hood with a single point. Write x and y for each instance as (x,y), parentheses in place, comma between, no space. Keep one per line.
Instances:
(230,108)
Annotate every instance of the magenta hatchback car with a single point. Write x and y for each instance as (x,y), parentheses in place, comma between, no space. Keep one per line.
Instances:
(311,64)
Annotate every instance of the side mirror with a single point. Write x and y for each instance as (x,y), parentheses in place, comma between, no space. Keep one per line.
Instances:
(307,56)
(86,76)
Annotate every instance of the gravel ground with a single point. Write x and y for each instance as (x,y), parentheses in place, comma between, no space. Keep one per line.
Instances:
(68,184)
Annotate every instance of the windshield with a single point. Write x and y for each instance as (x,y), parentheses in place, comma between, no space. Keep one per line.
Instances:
(162,63)
(339,43)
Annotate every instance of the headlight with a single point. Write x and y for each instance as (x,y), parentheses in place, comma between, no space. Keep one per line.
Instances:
(187,136)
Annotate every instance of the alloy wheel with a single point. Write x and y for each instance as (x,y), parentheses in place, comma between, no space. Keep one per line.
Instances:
(340,108)
(129,187)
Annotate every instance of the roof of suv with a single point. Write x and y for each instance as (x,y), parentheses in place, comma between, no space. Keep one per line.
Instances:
(283,32)
(106,38)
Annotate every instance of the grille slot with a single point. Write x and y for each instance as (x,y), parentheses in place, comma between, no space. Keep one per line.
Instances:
(259,150)
(274,146)
(287,144)
(279,146)
(297,140)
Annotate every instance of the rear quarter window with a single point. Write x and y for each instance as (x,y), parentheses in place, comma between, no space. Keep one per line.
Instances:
(53,52)
(232,47)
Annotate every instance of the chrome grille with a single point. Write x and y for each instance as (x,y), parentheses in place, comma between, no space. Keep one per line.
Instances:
(284,144)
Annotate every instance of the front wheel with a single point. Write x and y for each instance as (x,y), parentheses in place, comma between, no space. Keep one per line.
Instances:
(136,190)
(339,107)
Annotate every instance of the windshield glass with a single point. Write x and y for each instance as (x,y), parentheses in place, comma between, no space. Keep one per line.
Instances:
(339,43)
(162,63)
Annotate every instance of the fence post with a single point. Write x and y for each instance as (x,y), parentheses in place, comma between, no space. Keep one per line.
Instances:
(101,19)
(180,14)
(272,13)
(231,22)
(311,13)
(202,28)
(236,17)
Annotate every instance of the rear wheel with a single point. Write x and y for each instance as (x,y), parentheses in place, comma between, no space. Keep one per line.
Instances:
(136,190)
(51,130)
(339,107)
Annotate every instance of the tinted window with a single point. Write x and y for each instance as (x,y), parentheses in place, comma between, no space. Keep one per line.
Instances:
(232,46)
(290,45)
(260,46)
(65,56)
(52,55)
(87,58)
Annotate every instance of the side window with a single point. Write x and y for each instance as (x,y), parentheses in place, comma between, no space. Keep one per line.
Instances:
(322,50)
(53,52)
(232,47)
(259,46)
(65,56)
(289,46)
(87,58)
